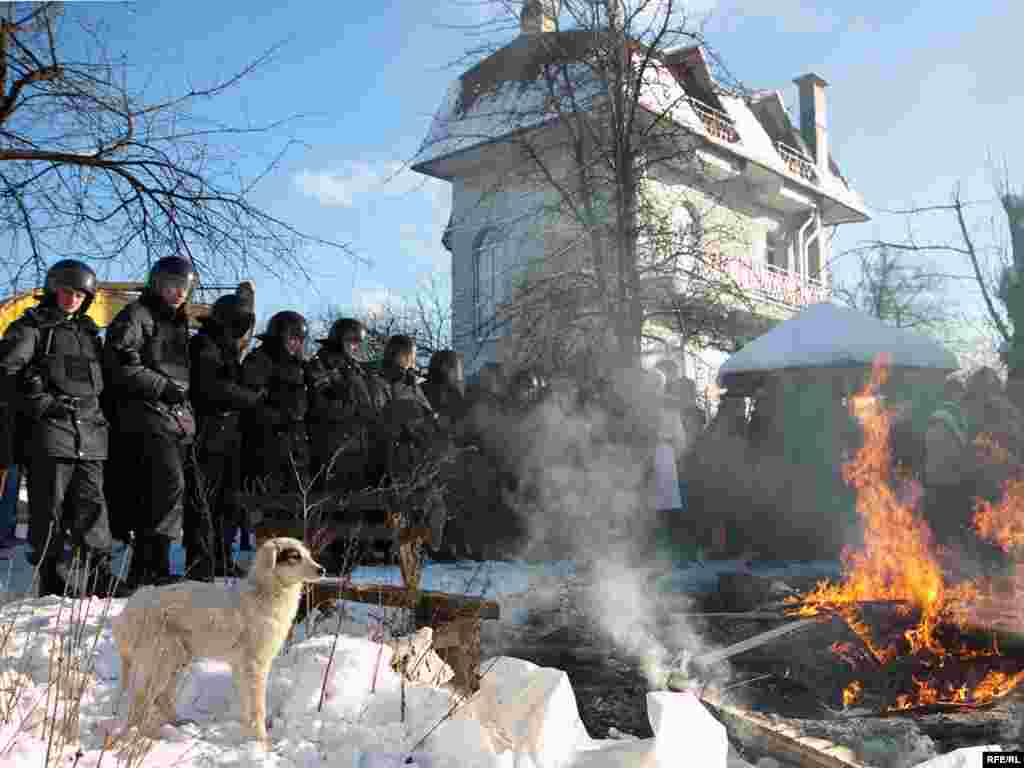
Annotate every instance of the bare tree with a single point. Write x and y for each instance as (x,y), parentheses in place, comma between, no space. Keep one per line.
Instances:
(984,262)
(903,295)
(591,118)
(91,167)
(425,316)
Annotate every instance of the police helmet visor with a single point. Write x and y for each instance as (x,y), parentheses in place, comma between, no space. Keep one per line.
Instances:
(163,281)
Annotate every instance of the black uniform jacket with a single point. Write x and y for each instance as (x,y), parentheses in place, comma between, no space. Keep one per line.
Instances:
(146,351)
(52,380)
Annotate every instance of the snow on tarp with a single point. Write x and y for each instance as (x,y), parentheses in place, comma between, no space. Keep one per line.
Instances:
(825,335)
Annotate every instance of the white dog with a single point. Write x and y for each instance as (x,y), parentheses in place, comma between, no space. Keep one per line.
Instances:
(162,629)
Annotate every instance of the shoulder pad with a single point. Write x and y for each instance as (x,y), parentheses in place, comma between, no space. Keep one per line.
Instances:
(32,316)
(88,324)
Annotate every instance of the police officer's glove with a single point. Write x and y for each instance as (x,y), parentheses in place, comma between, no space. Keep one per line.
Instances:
(317,377)
(32,383)
(173,394)
(60,409)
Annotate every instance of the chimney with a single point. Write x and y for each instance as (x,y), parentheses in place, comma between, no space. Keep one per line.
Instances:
(539,16)
(814,117)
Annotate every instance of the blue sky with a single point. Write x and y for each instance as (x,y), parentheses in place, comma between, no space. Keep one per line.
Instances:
(921,94)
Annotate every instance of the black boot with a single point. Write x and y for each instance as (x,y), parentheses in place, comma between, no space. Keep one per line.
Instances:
(50,582)
(140,572)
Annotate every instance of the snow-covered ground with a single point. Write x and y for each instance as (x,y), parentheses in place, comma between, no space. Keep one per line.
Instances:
(333,698)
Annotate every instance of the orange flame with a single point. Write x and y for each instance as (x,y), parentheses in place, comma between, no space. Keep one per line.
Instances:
(897,562)
(851,693)
(1003,523)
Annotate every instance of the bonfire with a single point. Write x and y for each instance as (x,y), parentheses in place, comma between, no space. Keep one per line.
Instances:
(936,649)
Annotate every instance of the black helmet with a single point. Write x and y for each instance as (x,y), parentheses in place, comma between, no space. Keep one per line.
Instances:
(174,269)
(75,275)
(339,329)
(234,314)
(446,366)
(284,324)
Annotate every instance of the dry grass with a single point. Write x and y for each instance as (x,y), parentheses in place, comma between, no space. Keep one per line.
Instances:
(53,716)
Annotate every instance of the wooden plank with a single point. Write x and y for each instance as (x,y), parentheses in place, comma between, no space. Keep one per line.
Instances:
(398,597)
(756,732)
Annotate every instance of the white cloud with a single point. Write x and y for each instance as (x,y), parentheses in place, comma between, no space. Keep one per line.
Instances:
(373,301)
(790,16)
(357,182)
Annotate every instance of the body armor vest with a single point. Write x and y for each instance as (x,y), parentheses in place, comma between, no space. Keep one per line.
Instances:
(69,355)
(165,348)
(352,391)
(286,383)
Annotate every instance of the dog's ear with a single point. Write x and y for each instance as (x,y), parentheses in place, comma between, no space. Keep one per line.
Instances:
(267,556)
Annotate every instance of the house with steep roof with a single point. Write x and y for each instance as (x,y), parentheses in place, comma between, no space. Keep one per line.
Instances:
(775,180)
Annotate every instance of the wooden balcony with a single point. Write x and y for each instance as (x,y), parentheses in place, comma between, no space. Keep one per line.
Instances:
(716,122)
(776,283)
(797,162)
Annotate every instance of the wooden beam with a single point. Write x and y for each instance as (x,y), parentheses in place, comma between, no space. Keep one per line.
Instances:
(784,743)
(392,596)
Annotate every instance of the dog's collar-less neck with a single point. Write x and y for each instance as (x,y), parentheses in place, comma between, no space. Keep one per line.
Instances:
(274,587)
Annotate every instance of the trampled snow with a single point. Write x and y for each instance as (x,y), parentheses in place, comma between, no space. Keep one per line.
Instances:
(332,701)
(524,716)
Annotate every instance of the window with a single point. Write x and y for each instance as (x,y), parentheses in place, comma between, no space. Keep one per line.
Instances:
(498,271)
(689,235)
(689,227)
(814,259)
(777,249)
(484,247)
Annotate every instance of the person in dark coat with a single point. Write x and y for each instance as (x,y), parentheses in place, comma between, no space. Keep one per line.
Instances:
(345,402)
(274,432)
(219,400)
(408,433)
(50,361)
(147,362)
(445,389)
(409,423)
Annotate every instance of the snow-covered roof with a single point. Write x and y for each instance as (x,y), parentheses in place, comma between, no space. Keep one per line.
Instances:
(507,93)
(825,335)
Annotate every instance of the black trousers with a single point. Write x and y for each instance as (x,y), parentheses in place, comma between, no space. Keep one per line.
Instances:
(218,515)
(65,496)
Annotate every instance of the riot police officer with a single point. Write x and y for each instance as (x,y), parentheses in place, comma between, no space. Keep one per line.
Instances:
(219,400)
(344,407)
(147,361)
(445,387)
(408,432)
(274,432)
(50,359)
(408,420)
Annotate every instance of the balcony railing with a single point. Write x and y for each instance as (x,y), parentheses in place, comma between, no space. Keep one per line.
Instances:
(777,283)
(716,122)
(797,162)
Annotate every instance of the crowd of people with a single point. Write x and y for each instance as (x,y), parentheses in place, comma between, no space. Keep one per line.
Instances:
(145,434)
(148,432)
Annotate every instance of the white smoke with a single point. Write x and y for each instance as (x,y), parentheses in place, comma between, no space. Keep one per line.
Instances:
(585,479)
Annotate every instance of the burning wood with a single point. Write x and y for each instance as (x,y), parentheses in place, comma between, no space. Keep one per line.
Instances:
(893,594)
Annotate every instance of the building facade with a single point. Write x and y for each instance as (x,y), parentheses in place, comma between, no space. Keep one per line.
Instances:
(759,192)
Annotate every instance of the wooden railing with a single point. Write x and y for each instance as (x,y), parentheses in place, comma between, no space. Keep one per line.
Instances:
(716,122)
(776,283)
(797,162)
